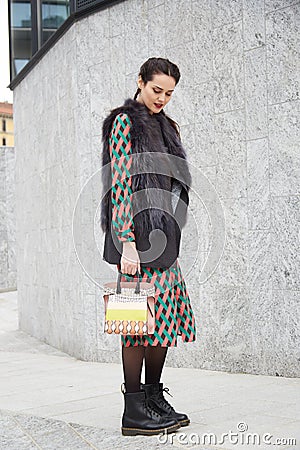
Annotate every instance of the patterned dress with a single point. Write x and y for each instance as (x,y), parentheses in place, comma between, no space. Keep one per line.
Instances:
(173,312)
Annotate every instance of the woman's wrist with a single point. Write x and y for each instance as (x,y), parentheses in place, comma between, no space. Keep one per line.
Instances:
(129,244)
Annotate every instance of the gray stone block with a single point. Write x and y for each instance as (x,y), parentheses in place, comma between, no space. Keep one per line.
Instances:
(228,67)
(258,184)
(224,13)
(284,132)
(253,24)
(283,41)
(285,242)
(256,93)
(178,31)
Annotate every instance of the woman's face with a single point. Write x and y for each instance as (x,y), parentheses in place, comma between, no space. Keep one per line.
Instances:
(157,93)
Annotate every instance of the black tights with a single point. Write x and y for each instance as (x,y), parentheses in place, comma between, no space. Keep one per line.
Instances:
(132,358)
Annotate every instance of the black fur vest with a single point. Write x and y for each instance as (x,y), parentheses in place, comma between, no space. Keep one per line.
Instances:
(160,186)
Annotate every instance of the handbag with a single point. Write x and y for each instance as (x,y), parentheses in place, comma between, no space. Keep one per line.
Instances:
(129,307)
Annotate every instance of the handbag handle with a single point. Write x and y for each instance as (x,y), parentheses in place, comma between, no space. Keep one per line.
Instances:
(137,288)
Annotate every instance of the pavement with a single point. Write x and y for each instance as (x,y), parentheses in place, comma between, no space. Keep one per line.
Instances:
(52,401)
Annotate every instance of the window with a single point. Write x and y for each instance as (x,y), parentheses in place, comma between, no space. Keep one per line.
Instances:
(3,141)
(3,125)
(21,34)
(53,13)
(32,22)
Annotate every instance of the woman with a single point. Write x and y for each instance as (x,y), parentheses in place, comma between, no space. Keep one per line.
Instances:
(143,148)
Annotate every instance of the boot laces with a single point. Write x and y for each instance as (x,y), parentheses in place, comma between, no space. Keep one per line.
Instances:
(165,389)
(161,399)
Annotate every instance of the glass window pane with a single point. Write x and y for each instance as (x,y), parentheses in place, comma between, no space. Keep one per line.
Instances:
(54,13)
(21,14)
(21,34)
(20,63)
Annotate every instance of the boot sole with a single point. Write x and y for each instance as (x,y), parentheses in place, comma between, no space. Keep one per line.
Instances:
(136,431)
(184,423)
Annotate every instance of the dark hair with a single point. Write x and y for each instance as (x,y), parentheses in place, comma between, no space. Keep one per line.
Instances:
(156,66)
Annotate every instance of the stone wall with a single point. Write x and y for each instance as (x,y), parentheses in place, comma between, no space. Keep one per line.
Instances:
(8,269)
(238,107)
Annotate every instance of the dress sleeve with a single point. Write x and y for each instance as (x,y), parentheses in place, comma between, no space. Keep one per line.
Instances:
(121,160)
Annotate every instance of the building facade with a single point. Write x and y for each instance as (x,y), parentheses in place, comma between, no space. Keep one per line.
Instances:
(7,124)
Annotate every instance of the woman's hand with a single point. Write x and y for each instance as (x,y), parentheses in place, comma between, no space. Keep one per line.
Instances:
(130,261)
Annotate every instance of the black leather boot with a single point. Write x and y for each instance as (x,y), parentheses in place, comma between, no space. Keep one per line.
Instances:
(157,401)
(139,418)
